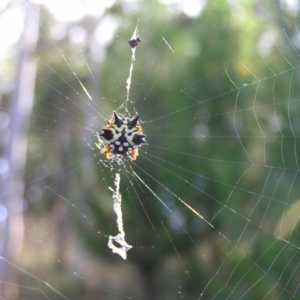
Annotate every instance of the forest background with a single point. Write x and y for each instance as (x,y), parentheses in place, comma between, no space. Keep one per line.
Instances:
(198,72)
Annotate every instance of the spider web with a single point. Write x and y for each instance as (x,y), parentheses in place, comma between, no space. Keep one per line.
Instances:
(210,206)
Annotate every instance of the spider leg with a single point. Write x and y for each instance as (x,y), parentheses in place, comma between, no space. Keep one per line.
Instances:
(134,153)
(106,150)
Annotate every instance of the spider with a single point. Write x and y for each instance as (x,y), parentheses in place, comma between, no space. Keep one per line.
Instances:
(122,136)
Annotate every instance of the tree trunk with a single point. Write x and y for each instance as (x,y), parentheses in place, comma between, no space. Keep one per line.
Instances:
(148,283)
(12,185)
